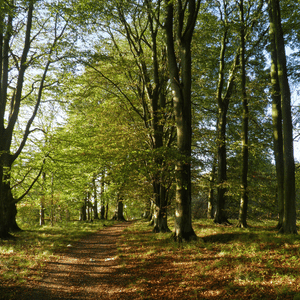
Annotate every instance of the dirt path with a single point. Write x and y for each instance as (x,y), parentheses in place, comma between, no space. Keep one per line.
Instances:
(87,270)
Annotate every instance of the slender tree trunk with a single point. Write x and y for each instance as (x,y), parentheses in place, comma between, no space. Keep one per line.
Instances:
(102,186)
(289,216)
(88,204)
(220,215)
(42,205)
(151,216)
(106,211)
(210,202)
(244,182)
(42,212)
(223,103)
(277,129)
(95,206)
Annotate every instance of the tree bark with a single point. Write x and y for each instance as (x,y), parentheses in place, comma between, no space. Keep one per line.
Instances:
(289,215)
(119,214)
(223,103)
(277,128)
(244,182)
(102,185)
(83,216)
(180,78)
(102,212)
(12,213)
(106,211)
(210,201)
(160,220)
(95,205)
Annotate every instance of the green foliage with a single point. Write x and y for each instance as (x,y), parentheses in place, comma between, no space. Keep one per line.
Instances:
(96,113)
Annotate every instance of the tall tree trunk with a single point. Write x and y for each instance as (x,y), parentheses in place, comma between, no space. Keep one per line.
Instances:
(88,204)
(244,182)
(7,211)
(95,206)
(210,201)
(42,205)
(220,215)
(42,212)
(102,187)
(180,78)
(223,103)
(289,216)
(277,128)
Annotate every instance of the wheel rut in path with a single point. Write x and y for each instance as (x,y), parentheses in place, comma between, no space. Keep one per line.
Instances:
(88,270)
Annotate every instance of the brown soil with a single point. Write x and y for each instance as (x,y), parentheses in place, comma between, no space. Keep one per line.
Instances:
(87,270)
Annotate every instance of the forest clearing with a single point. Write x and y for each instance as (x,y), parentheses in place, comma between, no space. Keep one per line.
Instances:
(224,263)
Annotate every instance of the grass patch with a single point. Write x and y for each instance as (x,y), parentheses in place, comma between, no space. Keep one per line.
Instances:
(224,263)
(23,258)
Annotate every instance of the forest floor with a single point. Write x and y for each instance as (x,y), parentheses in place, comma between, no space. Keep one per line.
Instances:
(128,261)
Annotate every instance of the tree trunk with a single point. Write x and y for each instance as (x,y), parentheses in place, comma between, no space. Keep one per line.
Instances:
(106,211)
(210,201)
(289,216)
(42,213)
(102,212)
(160,211)
(277,129)
(95,206)
(7,211)
(83,211)
(121,210)
(220,215)
(244,182)
(179,62)
(13,226)
(88,204)
(223,103)
(8,208)
(102,186)
(119,214)
(151,216)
